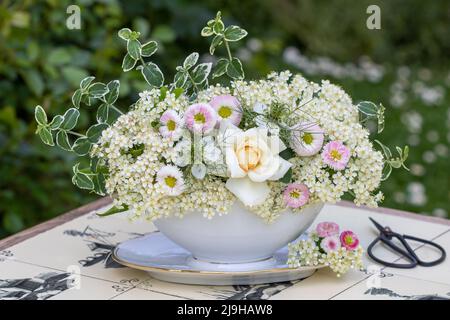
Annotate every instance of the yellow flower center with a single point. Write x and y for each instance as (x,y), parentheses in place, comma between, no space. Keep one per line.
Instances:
(200,117)
(295,194)
(335,155)
(348,239)
(248,157)
(171,125)
(307,138)
(170,181)
(224,112)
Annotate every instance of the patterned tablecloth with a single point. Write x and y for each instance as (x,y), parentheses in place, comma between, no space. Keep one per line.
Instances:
(45,266)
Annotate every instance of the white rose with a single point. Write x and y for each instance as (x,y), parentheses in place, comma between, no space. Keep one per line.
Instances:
(252,158)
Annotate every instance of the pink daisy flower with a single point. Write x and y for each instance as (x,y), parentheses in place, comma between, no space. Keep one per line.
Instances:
(227,108)
(336,155)
(200,118)
(296,195)
(349,240)
(327,229)
(307,140)
(331,243)
(171,124)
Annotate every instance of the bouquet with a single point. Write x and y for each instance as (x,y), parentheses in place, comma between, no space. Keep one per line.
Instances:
(198,142)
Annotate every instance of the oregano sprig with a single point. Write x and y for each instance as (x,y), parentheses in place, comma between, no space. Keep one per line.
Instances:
(232,66)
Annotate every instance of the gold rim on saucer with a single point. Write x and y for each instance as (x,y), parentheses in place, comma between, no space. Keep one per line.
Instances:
(160,269)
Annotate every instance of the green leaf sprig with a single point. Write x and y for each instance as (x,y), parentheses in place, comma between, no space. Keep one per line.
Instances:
(191,75)
(231,66)
(391,162)
(369,110)
(137,52)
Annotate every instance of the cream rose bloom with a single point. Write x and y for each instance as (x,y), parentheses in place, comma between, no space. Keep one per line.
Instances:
(252,158)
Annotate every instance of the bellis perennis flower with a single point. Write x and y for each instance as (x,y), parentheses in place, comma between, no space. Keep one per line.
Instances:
(325,246)
(331,243)
(336,155)
(349,240)
(327,229)
(171,180)
(227,108)
(296,195)
(171,124)
(307,140)
(200,118)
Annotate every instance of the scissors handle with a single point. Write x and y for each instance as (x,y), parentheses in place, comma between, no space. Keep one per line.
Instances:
(404,253)
(408,253)
(430,243)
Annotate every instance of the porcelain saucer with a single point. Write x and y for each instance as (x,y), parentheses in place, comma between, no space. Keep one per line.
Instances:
(165,260)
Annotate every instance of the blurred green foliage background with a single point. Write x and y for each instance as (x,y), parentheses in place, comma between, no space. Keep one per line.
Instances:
(404,65)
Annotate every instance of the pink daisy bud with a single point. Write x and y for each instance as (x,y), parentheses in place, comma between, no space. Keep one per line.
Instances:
(329,244)
(296,195)
(200,118)
(307,139)
(349,240)
(336,155)
(171,124)
(227,108)
(327,229)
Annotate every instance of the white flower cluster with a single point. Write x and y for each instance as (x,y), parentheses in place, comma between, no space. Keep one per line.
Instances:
(145,160)
(307,253)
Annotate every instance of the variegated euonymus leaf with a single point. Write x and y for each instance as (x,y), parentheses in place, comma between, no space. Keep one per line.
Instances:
(134,48)
(234,69)
(152,74)
(124,33)
(113,91)
(81,180)
(94,132)
(128,63)
(45,135)
(190,61)
(82,146)
(201,72)
(76,98)
(62,140)
(56,122)
(149,48)
(84,84)
(98,90)
(221,68)
(70,119)
(103,113)
(40,115)
(234,33)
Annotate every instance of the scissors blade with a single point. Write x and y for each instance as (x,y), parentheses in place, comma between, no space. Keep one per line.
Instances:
(377,225)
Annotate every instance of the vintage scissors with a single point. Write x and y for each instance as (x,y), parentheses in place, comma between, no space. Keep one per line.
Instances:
(386,236)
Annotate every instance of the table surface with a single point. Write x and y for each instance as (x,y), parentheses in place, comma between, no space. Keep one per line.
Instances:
(39,263)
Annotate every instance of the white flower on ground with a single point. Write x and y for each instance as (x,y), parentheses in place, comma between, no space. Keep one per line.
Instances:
(228,108)
(171,180)
(252,158)
(307,139)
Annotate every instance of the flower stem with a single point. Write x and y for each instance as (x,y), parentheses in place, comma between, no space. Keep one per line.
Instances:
(76,133)
(117,109)
(228,50)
